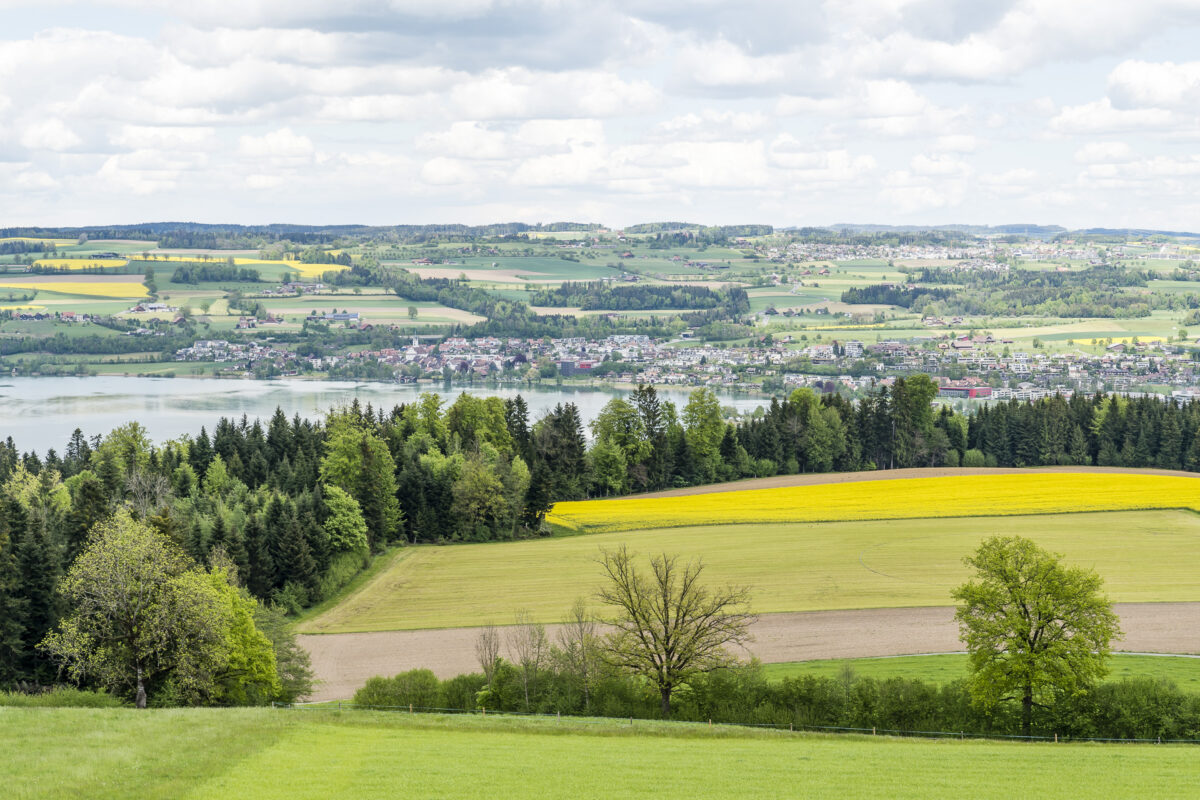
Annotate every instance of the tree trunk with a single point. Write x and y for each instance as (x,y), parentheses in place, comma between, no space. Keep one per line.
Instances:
(665,693)
(141,689)
(1027,711)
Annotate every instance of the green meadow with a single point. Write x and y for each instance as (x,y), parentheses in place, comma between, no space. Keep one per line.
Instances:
(262,754)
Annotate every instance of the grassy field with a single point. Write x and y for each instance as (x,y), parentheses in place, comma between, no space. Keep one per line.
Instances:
(1185,672)
(947,496)
(264,754)
(1145,556)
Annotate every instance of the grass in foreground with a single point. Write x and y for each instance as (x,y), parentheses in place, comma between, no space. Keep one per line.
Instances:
(953,496)
(264,753)
(1185,672)
(1146,556)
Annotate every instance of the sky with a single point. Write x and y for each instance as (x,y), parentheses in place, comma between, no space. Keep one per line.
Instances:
(800,112)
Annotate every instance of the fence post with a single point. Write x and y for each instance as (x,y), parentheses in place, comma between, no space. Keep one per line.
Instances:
(872,730)
(410,708)
(790,728)
(710,722)
(1056,738)
(484,709)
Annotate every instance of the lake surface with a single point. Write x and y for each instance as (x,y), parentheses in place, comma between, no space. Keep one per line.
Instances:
(40,413)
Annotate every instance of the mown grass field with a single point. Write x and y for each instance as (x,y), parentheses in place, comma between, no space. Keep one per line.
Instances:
(264,754)
(1144,556)
(949,496)
(1183,671)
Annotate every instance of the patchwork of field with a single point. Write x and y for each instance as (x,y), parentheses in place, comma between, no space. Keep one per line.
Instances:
(1144,556)
(945,496)
(290,754)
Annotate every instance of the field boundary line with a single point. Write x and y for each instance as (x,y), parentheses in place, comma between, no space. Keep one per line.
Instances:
(338,705)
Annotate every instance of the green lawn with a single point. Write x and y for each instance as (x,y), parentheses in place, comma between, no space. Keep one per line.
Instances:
(1144,556)
(265,753)
(1184,671)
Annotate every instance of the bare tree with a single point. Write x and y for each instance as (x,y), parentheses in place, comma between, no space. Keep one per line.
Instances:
(487,650)
(527,648)
(579,640)
(148,492)
(668,626)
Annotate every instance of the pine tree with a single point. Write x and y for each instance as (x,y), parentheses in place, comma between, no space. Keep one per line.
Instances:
(39,572)
(261,577)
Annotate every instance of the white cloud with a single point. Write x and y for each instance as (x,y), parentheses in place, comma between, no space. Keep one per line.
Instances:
(1101,117)
(278,145)
(49,134)
(1142,84)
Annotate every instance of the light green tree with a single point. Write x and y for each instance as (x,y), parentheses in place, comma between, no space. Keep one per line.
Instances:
(344,523)
(139,614)
(1034,629)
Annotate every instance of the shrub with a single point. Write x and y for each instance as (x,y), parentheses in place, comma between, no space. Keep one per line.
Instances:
(419,688)
(63,697)
(974,458)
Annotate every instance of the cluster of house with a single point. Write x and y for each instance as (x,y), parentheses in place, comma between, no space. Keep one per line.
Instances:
(829,251)
(293,290)
(221,351)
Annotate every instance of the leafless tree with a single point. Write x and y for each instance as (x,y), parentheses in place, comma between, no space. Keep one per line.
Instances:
(487,650)
(668,626)
(579,643)
(148,492)
(527,648)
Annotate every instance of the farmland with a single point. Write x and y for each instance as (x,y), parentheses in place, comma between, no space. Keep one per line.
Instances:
(948,496)
(1145,556)
(264,753)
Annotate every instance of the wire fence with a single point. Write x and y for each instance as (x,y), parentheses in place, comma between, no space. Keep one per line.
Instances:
(483,713)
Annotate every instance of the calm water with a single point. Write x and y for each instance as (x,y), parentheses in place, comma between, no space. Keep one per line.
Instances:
(39,413)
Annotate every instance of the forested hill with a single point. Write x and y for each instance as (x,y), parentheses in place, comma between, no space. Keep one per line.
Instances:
(297,507)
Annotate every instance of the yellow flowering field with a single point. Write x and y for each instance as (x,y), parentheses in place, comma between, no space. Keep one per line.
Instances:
(87,288)
(80,263)
(951,496)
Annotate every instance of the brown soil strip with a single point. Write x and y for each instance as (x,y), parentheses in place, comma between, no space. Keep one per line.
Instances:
(814,479)
(343,661)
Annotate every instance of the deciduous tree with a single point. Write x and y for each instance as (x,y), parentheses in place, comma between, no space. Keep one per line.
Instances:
(669,626)
(1034,628)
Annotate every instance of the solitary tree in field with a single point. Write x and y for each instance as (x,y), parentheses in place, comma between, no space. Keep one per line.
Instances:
(668,626)
(1034,629)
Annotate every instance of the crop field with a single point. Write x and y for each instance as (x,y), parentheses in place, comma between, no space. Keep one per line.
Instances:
(263,753)
(1144,556)
(948,496)
(80,287)
(1184,671)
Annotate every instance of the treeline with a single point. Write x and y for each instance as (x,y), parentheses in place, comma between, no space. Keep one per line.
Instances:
(17,246)
(565,680)
(892,295)
(197,272)
(605,295)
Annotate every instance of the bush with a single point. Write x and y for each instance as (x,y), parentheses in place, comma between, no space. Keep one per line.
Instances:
(419,688)
(974,458)
(61,698)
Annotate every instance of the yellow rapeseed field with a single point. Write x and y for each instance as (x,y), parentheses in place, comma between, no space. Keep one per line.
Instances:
(80,263)
(953,496)
(87,288)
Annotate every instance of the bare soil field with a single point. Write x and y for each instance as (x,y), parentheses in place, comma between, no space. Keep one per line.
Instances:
(781,481)
(343,662)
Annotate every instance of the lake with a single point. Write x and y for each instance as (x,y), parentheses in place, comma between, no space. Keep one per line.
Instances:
(40,413)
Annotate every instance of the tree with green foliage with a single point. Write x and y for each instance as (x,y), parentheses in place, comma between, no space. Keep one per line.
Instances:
(344,522)
(1035,630)
(359,462)
(140,614)
(668,627)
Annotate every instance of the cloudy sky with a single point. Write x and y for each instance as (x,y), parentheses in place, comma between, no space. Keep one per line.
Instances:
(804,112)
